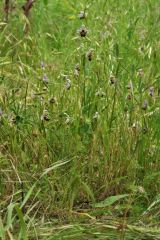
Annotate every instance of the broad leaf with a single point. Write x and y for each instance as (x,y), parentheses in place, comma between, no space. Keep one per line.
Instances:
(109,201)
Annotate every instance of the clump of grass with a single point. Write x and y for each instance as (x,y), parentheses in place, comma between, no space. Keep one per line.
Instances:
(90,101)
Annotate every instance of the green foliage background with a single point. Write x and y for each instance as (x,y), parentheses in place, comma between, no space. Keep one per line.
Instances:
(95,140)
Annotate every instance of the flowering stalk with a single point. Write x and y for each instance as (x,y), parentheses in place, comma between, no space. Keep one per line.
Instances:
(26,8)
(6,9)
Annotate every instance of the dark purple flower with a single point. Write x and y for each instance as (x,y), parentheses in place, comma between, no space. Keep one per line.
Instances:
(83,31)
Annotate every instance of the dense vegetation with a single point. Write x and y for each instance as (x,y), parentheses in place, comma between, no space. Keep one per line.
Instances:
(79,118)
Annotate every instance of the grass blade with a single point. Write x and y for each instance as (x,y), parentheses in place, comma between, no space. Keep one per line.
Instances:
(110,201)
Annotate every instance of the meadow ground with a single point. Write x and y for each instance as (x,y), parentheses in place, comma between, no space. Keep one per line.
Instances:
(79,120)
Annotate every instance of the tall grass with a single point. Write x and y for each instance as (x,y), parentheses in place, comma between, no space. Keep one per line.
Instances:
(79,115)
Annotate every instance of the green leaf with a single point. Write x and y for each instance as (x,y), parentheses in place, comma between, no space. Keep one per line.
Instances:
(153,204)
(45,2)
(23,232)
(56,165)
(10,215)
(88,191)
(2,230)
(28,195)
(109,201)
